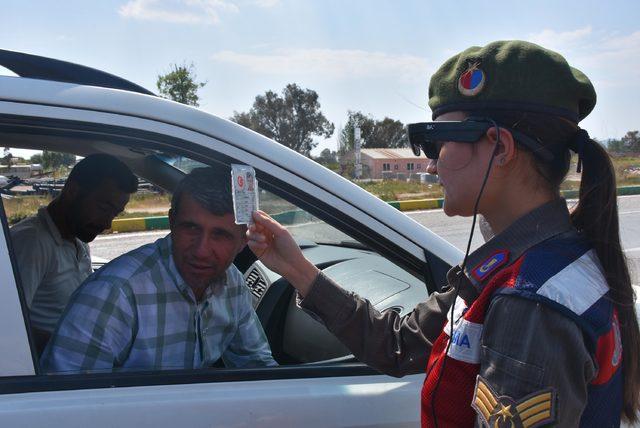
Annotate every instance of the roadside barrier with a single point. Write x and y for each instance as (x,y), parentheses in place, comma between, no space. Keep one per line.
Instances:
(140,224)
(299,216)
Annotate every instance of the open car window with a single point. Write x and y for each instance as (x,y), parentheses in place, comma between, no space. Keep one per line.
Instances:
(300,223)
(295,338)
(321,209)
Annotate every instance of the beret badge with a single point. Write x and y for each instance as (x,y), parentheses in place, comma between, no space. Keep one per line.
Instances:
(471,81)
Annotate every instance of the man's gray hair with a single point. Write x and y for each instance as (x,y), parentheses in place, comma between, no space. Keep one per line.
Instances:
(210,187)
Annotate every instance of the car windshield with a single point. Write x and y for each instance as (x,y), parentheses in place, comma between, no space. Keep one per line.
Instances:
(305,227)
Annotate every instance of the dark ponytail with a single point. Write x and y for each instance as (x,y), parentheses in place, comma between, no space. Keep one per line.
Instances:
(596,216)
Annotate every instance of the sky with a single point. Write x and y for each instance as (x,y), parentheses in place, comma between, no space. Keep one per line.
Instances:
(372,56)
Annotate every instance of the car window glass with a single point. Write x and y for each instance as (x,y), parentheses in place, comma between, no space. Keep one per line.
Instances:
(294,337)
(302,225)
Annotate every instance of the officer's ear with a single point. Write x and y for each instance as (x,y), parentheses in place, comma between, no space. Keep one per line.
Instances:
(507,151)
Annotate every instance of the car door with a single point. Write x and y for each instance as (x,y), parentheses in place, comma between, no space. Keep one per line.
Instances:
(346,394)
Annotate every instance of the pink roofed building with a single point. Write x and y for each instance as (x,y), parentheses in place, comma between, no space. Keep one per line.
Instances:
(388,163)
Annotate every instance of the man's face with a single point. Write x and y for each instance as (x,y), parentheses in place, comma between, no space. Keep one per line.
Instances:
(204,244)
(92,213)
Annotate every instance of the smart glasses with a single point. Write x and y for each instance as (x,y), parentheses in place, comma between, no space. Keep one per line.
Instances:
(429,136)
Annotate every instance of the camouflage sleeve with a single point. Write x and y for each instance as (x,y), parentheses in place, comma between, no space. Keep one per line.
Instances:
(393,344)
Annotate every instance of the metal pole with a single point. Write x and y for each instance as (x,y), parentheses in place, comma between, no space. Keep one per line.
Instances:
(356,141)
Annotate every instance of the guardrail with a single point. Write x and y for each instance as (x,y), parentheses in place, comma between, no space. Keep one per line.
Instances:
(300,216)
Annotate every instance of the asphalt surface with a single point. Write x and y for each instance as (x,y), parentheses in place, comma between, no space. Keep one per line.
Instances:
(455,230)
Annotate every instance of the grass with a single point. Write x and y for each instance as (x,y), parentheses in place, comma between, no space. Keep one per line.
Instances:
(627,174)
(273,204)
(391,190)
(627,170)
(153,204)
(141,214)
(22,207)
(140,205)
(149,201)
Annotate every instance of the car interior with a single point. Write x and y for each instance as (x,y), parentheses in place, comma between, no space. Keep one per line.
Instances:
(295,336)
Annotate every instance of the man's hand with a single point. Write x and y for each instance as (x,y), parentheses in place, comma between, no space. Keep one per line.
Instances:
(276,248)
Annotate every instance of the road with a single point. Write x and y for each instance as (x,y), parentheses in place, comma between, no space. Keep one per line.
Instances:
(455,230)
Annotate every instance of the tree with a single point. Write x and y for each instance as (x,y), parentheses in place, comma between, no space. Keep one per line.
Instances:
(53,160)
(356,119)
(631,141)
(7,158)
(291,119)
(180,85)
(390,133)
(327,157)
(36,159)
(615,146)
(385,133)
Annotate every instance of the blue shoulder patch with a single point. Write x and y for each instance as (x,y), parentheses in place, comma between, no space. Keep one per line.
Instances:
(497,259)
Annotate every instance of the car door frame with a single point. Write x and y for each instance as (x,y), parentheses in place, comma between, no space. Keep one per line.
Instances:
(366,390)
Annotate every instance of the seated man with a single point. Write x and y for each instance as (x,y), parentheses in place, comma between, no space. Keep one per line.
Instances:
(51,248)
(177,303)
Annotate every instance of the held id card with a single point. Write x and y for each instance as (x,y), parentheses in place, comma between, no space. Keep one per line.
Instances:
(244,187)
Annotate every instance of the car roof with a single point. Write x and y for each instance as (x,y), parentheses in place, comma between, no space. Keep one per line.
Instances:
(143,105)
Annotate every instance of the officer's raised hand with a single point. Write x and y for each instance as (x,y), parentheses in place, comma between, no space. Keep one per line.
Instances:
(276,248)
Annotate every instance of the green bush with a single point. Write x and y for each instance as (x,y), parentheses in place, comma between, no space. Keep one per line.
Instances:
(17,217)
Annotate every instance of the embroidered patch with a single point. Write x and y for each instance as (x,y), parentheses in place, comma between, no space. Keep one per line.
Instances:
(496,260)
(532,411)
(471,81)
(465,342)
(608,353)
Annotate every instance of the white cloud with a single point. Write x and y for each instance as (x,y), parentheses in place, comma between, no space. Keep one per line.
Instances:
(335,63)
(609,58)
(560,40)
(186,11)
(624,48)
(267,3)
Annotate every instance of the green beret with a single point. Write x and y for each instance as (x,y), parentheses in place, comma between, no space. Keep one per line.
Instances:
(511,75)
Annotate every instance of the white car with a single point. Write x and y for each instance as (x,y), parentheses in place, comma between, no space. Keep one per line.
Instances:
(362,242)
(365,244)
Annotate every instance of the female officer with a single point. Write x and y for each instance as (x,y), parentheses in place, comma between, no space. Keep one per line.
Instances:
(537,326)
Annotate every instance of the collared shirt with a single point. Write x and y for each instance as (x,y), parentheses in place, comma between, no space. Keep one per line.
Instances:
(138,313)
(525,345)
(51,268)
(549,220)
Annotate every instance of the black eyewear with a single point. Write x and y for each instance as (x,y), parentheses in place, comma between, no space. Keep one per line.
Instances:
(429,136)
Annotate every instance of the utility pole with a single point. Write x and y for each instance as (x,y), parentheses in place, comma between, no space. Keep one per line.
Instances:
(356,143)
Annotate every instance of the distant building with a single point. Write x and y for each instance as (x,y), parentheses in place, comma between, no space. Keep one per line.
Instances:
(392,163)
